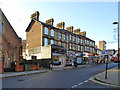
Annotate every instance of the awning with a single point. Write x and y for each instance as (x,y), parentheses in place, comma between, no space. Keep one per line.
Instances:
(79,54)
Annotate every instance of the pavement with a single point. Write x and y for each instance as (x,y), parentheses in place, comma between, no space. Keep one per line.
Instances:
(41,70)
(113,78)
(112,74)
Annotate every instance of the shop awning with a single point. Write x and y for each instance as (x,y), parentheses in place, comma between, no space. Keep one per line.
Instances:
(79,54)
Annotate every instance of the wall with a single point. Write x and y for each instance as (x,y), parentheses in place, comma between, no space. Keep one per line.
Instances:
(11,43)
(34,36)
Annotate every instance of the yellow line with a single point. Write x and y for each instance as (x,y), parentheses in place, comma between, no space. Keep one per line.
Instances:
(103,83)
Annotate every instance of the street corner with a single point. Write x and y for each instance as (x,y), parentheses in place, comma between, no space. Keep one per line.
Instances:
(97,79)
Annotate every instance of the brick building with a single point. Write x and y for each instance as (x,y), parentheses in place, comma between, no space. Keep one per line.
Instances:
(46,42)
(10,43)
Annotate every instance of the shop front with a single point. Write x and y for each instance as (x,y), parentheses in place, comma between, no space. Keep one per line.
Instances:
(70,58)
(79,58)
(85,57)
(58,55)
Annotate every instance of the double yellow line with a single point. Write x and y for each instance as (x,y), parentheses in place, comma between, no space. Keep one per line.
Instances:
(93,79)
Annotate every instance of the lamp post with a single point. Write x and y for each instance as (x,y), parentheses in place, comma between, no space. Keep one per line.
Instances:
(118,44)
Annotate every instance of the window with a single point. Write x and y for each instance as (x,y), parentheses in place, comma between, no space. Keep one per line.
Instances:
(81,48)
(70,46)
(87,48)
(52,32)
(73,46)
(74,39)
(81,41)
(78,47)
(78,40)
(90,43)
(45,41)
(52,41)
(46,31)
(64,45)
(87,42)
(60,35)
(59,43)
(64,37)
(70,38)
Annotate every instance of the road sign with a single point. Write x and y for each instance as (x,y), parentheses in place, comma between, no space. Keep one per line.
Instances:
(103,52)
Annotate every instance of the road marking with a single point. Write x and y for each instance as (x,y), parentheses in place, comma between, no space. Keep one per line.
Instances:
(80,84)
(74,86)
(92,79)
(86,81)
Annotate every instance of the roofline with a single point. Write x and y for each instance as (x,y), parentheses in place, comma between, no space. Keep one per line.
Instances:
(63,30)
(10,25)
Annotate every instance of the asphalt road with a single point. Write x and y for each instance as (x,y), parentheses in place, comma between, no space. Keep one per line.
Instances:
(72,78)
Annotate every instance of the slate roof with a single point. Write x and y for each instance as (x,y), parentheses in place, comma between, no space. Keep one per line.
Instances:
(63,30)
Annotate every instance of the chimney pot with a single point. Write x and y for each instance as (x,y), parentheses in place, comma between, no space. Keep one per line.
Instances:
(50,21)
(35,15)
(70,28)
(77,31)
(61,25)
(83,33)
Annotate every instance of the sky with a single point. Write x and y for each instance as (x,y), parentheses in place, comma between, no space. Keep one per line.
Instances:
(95,18)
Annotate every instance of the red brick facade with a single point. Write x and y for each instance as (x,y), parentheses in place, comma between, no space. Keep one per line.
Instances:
(11,43)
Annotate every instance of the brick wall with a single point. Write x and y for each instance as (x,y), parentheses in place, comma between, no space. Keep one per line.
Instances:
(33,37)
(10,42)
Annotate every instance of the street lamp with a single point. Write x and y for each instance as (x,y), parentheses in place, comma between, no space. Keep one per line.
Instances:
(118,44)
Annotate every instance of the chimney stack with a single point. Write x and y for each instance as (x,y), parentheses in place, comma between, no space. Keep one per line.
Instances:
(76,31)
(70,28)
(35,16)
(50,21)
(83,33)
(61,25)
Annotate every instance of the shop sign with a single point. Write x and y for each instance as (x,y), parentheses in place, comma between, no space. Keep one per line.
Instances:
(79,54)
(56,54)
(70,53)
(85,54)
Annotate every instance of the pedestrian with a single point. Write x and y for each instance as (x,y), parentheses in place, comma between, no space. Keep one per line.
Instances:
(50,65)
(97,60)
(75,63)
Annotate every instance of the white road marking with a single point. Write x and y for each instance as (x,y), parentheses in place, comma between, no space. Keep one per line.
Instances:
(86,81)
(74,86)
(79,84)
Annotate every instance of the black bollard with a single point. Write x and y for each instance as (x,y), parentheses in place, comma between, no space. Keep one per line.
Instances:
(106,70)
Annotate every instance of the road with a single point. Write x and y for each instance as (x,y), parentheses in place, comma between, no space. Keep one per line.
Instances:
(72,78)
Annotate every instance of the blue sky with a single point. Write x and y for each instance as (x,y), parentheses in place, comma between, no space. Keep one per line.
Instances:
(95,18)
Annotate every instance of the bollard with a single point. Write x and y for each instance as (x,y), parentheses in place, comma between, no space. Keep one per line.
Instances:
(106,70)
